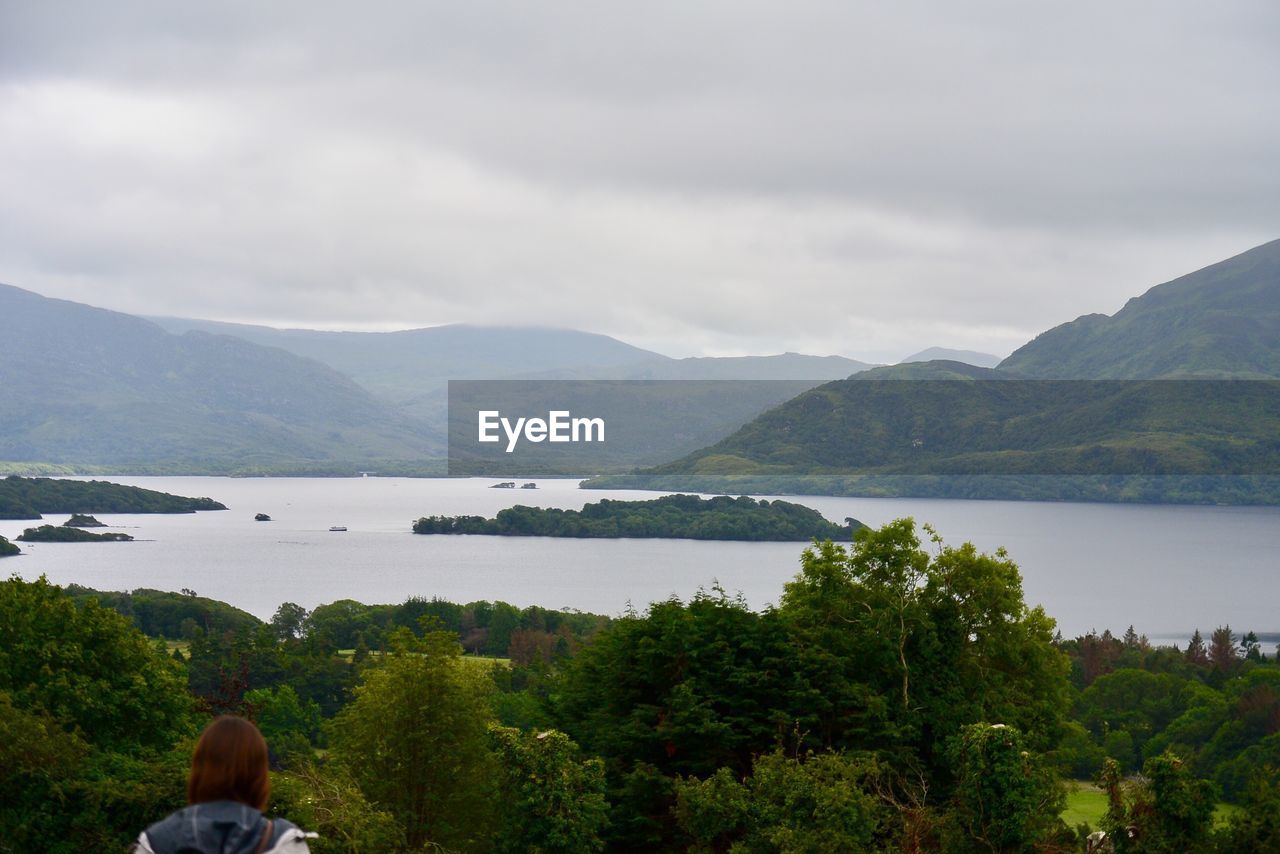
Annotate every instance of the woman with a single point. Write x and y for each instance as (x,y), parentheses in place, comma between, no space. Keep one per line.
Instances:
(226,793)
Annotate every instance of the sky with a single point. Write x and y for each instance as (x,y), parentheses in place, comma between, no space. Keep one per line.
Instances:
(712,178)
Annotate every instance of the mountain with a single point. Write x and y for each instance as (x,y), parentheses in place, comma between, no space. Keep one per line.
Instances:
(969,357)
(403,366)
(1221,321)
(93,387)
(411,369)
(784,366)
(974,421)
(1174,432)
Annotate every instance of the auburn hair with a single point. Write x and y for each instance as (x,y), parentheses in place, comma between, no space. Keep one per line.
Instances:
(230,764)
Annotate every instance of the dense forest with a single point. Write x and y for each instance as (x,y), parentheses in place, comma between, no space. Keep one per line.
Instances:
(29,497)
(901,697)
(687,517)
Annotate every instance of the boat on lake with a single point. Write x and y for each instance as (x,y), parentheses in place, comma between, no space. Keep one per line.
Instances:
(337,527)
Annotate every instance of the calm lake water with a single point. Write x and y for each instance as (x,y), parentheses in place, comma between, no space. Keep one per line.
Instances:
(1167,570)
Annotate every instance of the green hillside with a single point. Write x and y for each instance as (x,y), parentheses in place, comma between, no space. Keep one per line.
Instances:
(1000,426)
(1146,415)
(94,387)
(1221,321)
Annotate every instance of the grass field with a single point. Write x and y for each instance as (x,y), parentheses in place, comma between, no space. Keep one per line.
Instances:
(1086,804)
(348,654)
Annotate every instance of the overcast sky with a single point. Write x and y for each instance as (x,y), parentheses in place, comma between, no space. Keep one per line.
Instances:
(699,178)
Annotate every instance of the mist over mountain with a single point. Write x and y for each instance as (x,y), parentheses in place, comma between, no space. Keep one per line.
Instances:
(1221,321)
(89,386)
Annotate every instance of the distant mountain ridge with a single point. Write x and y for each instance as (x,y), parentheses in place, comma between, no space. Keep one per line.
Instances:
(410,370)
(402,366)
(96,387)
(1220,321)
(783,366)
(969,357)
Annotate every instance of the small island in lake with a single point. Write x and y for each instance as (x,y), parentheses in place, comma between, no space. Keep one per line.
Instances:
(63,534)
(29,497)
(80,520)
(687,517)
(8,549)
(261,517)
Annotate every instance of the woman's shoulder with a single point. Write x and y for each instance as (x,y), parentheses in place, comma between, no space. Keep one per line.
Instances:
(288,838)
(221,826)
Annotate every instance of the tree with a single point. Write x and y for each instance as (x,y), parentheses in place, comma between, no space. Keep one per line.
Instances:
(1250,649)
(946,635)
(289,725)
(1256,826)
(1166,811)
(90,712)
(553,799)
(818,802)
(415,740)
(326,799)
(89,669)
(1196,652)
(289,621)
(1222,650)
(1006,798)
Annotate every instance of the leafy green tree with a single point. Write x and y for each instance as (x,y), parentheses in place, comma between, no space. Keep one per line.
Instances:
(289,621)
(1077,754)
(1165,811)
(39,762)
(816,803)
(289,725)
(685,688)
(415,740)
(325,799)
(1118,745)
(1222,650)
(1006,798)
(916,645)
(89,669)
(1250,649)
(552,798)
(1256,825)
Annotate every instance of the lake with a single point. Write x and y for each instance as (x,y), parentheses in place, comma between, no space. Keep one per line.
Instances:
(1166,569)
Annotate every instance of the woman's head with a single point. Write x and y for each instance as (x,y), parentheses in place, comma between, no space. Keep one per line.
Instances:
(230,764)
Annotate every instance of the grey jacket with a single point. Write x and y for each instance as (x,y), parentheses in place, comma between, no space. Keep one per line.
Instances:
(220,827)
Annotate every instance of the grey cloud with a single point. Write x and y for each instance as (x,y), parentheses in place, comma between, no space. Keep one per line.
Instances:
(726,177)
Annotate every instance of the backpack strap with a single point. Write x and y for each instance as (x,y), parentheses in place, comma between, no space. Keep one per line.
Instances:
(266,837)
